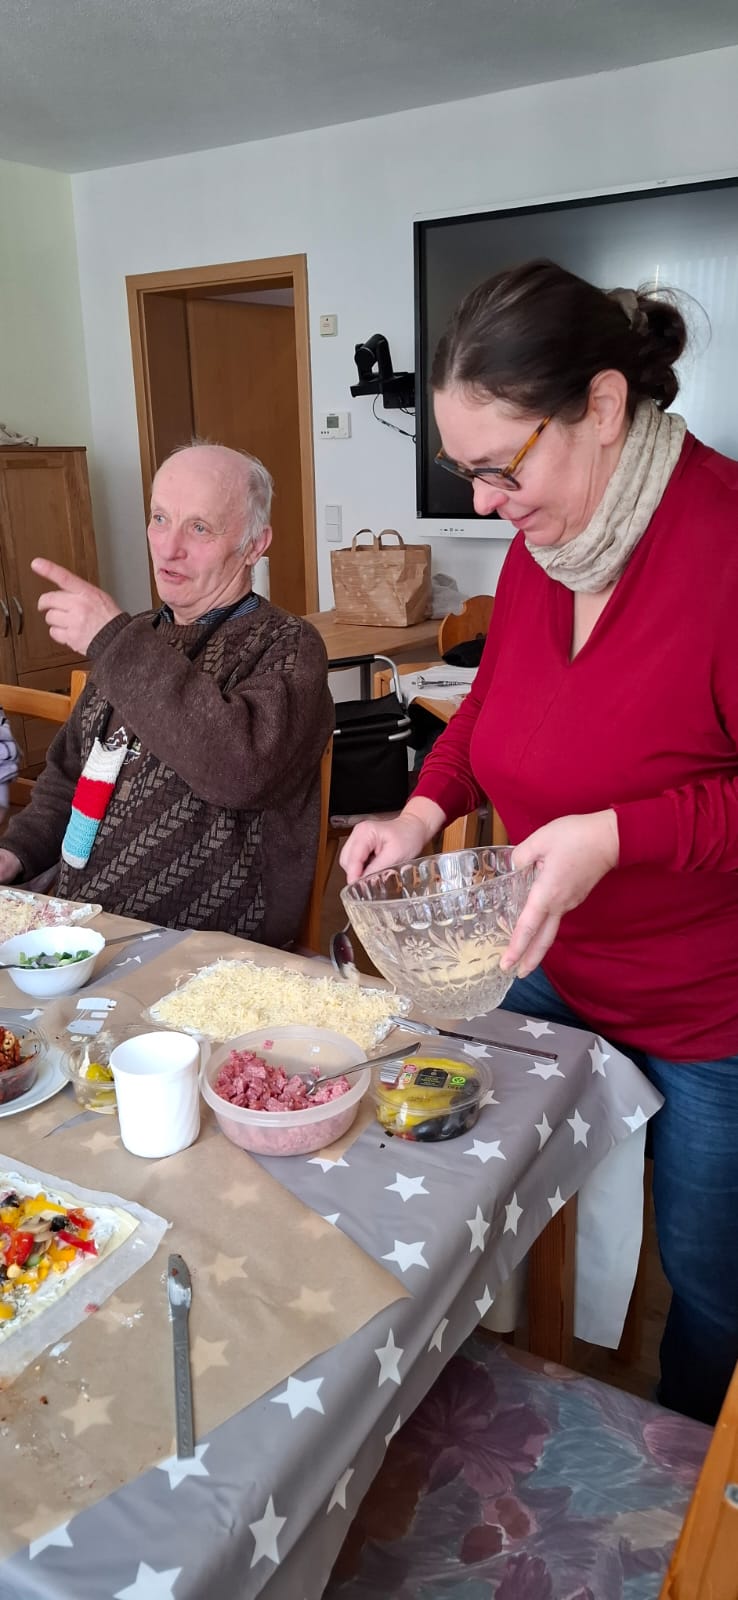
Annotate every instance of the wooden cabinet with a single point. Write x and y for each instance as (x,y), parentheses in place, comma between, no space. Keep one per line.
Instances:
(44,511)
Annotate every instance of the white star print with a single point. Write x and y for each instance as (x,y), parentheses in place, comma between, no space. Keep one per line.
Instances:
(393,1430)
(240,1194)
(545,1070)
(389,1356)
(598,1058)
(300,1395)
(579,1128)
(406,1186)
(326,1163)
(479,1228)
(338,1497)
(637,1120)
(332,1217)
(475,1050)
(312,1302)
(149,1584)
(222,1268)
(437,1337)
(207,1353)
(485,1304)
(513,1213)
(555,1201)
(266,1533)
(407,1255)
(58,1536)
(489,1098)
(536,1028)
(87,1413)
(191,1467)
(30,1016)
(486,1152)
(544,1131)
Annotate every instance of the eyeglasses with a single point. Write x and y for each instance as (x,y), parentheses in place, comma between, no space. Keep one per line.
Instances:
(493,475)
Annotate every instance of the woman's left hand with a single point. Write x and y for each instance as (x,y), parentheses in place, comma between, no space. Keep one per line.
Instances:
(572,854)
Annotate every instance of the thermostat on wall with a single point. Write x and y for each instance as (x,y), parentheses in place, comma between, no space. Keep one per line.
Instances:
(335,425)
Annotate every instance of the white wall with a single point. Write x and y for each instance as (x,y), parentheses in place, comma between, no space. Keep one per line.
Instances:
(347,196)
(43,383)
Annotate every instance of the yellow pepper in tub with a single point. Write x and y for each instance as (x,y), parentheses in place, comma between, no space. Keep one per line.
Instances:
(431,1096)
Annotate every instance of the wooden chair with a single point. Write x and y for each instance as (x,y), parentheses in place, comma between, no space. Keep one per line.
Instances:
(471,622)
(519,1474)
(704,1565)
(309,935)
(18,701)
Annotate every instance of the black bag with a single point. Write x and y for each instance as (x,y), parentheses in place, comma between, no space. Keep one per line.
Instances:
(370,741)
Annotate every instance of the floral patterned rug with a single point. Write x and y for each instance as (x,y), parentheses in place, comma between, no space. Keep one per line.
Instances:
(516,1480)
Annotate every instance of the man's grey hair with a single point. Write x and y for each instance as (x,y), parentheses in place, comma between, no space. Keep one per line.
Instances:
(258,507)
(257,501)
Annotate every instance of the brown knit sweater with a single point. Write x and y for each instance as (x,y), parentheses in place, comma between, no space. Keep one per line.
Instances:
(214,822)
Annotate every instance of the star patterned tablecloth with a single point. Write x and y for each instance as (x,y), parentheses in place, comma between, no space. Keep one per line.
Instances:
(264,1505)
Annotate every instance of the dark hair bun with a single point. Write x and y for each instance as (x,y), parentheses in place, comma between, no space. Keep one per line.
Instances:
(661,338)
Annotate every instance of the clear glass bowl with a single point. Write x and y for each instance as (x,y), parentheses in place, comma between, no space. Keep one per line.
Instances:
(15,1081)
(438,927)
(86,1064)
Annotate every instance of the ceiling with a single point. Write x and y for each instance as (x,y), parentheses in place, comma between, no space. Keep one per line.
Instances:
(96,83)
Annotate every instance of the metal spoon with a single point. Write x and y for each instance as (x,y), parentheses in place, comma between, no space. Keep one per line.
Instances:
(342,956)
(314,1081)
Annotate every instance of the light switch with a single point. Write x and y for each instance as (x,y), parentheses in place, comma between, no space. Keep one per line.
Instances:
(333,524)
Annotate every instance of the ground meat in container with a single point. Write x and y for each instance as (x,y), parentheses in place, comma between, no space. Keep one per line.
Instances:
(246,1080)
(263,1109)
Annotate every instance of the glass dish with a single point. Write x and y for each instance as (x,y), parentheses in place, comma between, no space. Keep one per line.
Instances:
(15,1081)
(86,1065)
(438,927)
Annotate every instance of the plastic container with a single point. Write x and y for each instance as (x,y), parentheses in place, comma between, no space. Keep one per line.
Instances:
(47,983)
(86,1039)
(298,1050)
(434,1095)
(15,1081)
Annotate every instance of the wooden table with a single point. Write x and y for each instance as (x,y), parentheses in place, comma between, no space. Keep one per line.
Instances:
(343,639)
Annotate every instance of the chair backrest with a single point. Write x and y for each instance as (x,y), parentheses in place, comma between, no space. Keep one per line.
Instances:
(309,935)
(18,701)
(471,622)
(704,1565)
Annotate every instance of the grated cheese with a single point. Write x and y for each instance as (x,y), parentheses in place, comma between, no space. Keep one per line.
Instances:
(233,997)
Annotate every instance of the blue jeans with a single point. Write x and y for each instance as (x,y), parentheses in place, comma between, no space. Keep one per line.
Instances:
(694,1144)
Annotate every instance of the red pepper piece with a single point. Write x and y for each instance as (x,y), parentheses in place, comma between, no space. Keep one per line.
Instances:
(19,1249)
(87,1245)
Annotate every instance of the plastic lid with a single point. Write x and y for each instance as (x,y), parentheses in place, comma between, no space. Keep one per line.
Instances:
(433,1082)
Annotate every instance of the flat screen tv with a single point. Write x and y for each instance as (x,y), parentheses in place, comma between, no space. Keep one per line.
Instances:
(684,237)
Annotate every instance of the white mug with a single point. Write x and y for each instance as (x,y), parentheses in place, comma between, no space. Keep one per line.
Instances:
(157,1090)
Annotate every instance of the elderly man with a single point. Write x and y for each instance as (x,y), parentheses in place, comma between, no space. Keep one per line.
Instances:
(184,788)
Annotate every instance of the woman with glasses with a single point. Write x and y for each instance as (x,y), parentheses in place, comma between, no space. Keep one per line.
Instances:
(604,724)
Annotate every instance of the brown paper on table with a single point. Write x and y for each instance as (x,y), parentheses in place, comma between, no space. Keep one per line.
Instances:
(274,1285)
(382,584)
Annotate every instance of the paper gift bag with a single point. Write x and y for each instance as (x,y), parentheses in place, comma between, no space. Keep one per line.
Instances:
(382,583)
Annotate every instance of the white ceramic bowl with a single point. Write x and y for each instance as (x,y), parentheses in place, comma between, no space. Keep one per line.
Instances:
(298,1050)
(47,983)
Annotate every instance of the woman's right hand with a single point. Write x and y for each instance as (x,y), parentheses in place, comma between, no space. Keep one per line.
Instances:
(377,843)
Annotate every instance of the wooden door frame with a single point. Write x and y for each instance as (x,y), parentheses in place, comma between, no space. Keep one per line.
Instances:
(270,273)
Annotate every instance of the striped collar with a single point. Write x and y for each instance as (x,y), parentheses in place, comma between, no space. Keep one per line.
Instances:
(249,603)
